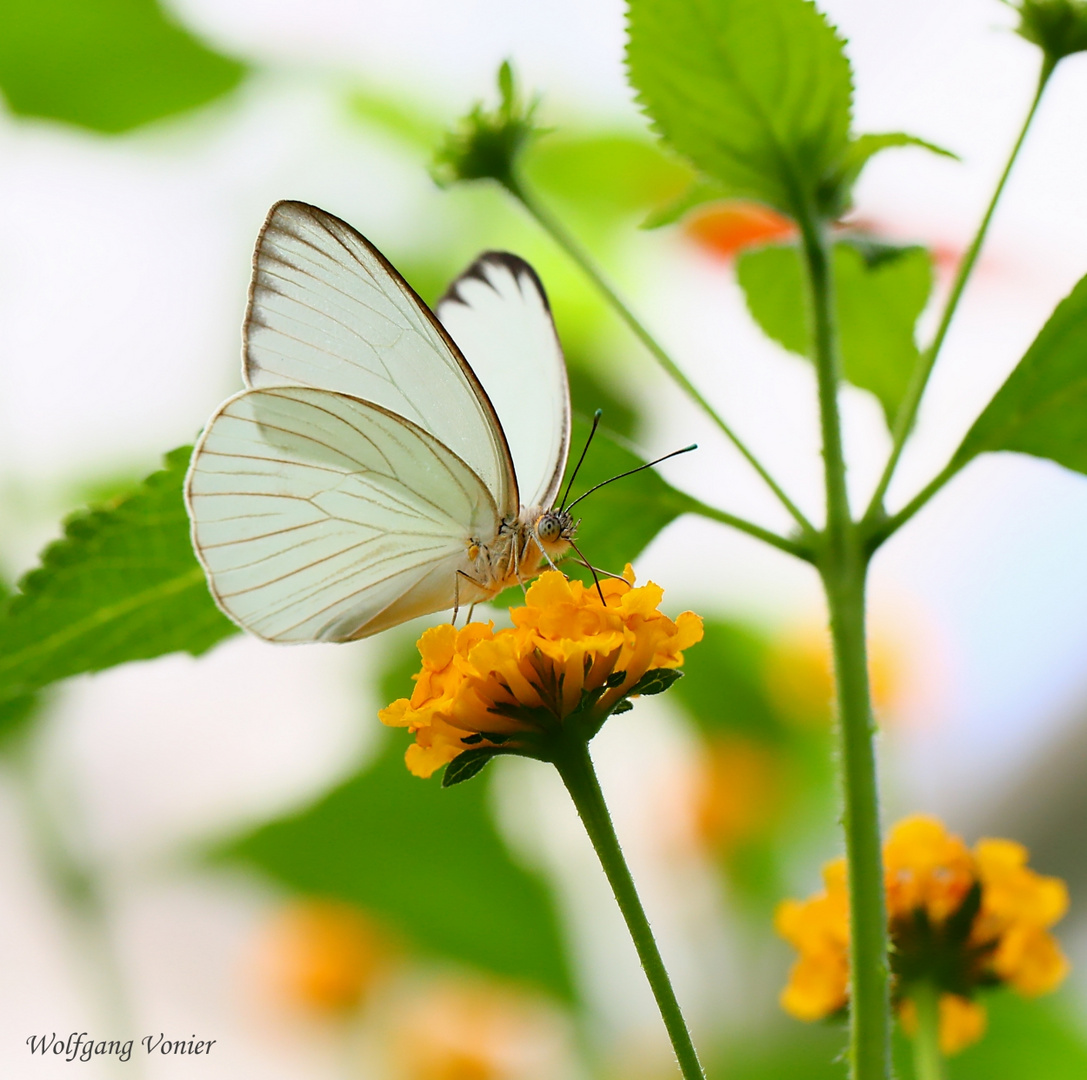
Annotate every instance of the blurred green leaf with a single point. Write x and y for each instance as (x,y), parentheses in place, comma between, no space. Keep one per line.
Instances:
(1042,407)
(618,521)
(881,292)
(757,93)
(17,712)
(123,584)
(724,686)
(426,860)
(785,1050)
(608,173)
(395,115)
(107,65)
(1025,1040)
(698,193)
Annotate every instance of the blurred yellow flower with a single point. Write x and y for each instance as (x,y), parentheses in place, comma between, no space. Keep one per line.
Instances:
(320,956)
(568,654)
(799,673)
(469,1030)
(959,919)
(962,1022)
(736,792)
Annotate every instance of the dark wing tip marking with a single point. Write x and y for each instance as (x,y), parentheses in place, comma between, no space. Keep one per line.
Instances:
(517,267)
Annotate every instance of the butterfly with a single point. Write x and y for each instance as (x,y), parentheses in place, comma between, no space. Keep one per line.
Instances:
(363,477)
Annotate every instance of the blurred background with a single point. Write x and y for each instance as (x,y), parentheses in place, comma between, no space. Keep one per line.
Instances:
(228,847)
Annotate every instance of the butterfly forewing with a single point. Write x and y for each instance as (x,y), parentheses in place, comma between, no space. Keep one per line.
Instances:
(327,310)
(498,314)
(320,517)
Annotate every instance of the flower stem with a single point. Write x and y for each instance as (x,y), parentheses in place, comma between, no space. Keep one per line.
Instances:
(907,412)
(843,565)
(581,258)
(575,766)
(927,1060)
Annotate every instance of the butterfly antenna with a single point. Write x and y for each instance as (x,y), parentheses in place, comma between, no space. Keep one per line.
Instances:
(573,475)
(592,570)
(631,472)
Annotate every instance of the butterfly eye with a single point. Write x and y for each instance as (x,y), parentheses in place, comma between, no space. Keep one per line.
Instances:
(548,527)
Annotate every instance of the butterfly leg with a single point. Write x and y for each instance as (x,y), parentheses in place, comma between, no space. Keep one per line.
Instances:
(592,570)
(456,595)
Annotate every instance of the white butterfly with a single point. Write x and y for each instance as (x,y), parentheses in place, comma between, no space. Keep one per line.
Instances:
(363,477)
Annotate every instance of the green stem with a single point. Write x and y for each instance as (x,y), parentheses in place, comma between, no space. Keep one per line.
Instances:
(843,564)
(581,258)
(907,413)
(787,544)
(927,1060)
(575,766)
(883,528)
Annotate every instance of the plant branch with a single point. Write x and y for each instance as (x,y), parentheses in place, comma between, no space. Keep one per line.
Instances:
(882,528)
(576,769)
(843,565)
(787,544)
(577,253)
(907,412)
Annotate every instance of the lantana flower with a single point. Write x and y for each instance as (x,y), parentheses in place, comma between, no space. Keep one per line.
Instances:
(960,920)
(574,655)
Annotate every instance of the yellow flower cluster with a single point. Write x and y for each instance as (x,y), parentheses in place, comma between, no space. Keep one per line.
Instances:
(567,652)
(958,918)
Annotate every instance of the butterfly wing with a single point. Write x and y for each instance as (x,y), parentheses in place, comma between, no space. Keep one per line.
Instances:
(320,517)
(497,312)
(327,310)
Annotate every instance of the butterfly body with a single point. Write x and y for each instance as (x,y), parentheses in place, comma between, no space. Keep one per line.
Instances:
(363,478)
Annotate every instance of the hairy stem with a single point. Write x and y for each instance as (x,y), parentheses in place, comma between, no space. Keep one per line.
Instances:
(907,413)
(576,769)
(843,565)
(578,255)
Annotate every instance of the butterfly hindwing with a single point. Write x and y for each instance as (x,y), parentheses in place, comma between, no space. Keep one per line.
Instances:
(320,517)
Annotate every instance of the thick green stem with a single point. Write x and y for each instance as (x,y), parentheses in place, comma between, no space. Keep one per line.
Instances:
(576,769)
(581,258)
(843,565)
(907,412)
(928,1062)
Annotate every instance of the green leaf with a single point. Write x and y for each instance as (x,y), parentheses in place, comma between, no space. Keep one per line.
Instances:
(860,151)
(16,713)
(881,292)
(1042,407)
(107,65)
(465,766)
(657,680)
(123,584)
(756,93)
(619,520)
(425,860)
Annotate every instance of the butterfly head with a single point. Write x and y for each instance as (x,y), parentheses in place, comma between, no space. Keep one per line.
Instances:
(554,531)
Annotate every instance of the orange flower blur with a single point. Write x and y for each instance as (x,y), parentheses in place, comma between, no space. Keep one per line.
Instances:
(567,652)
(984,913)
